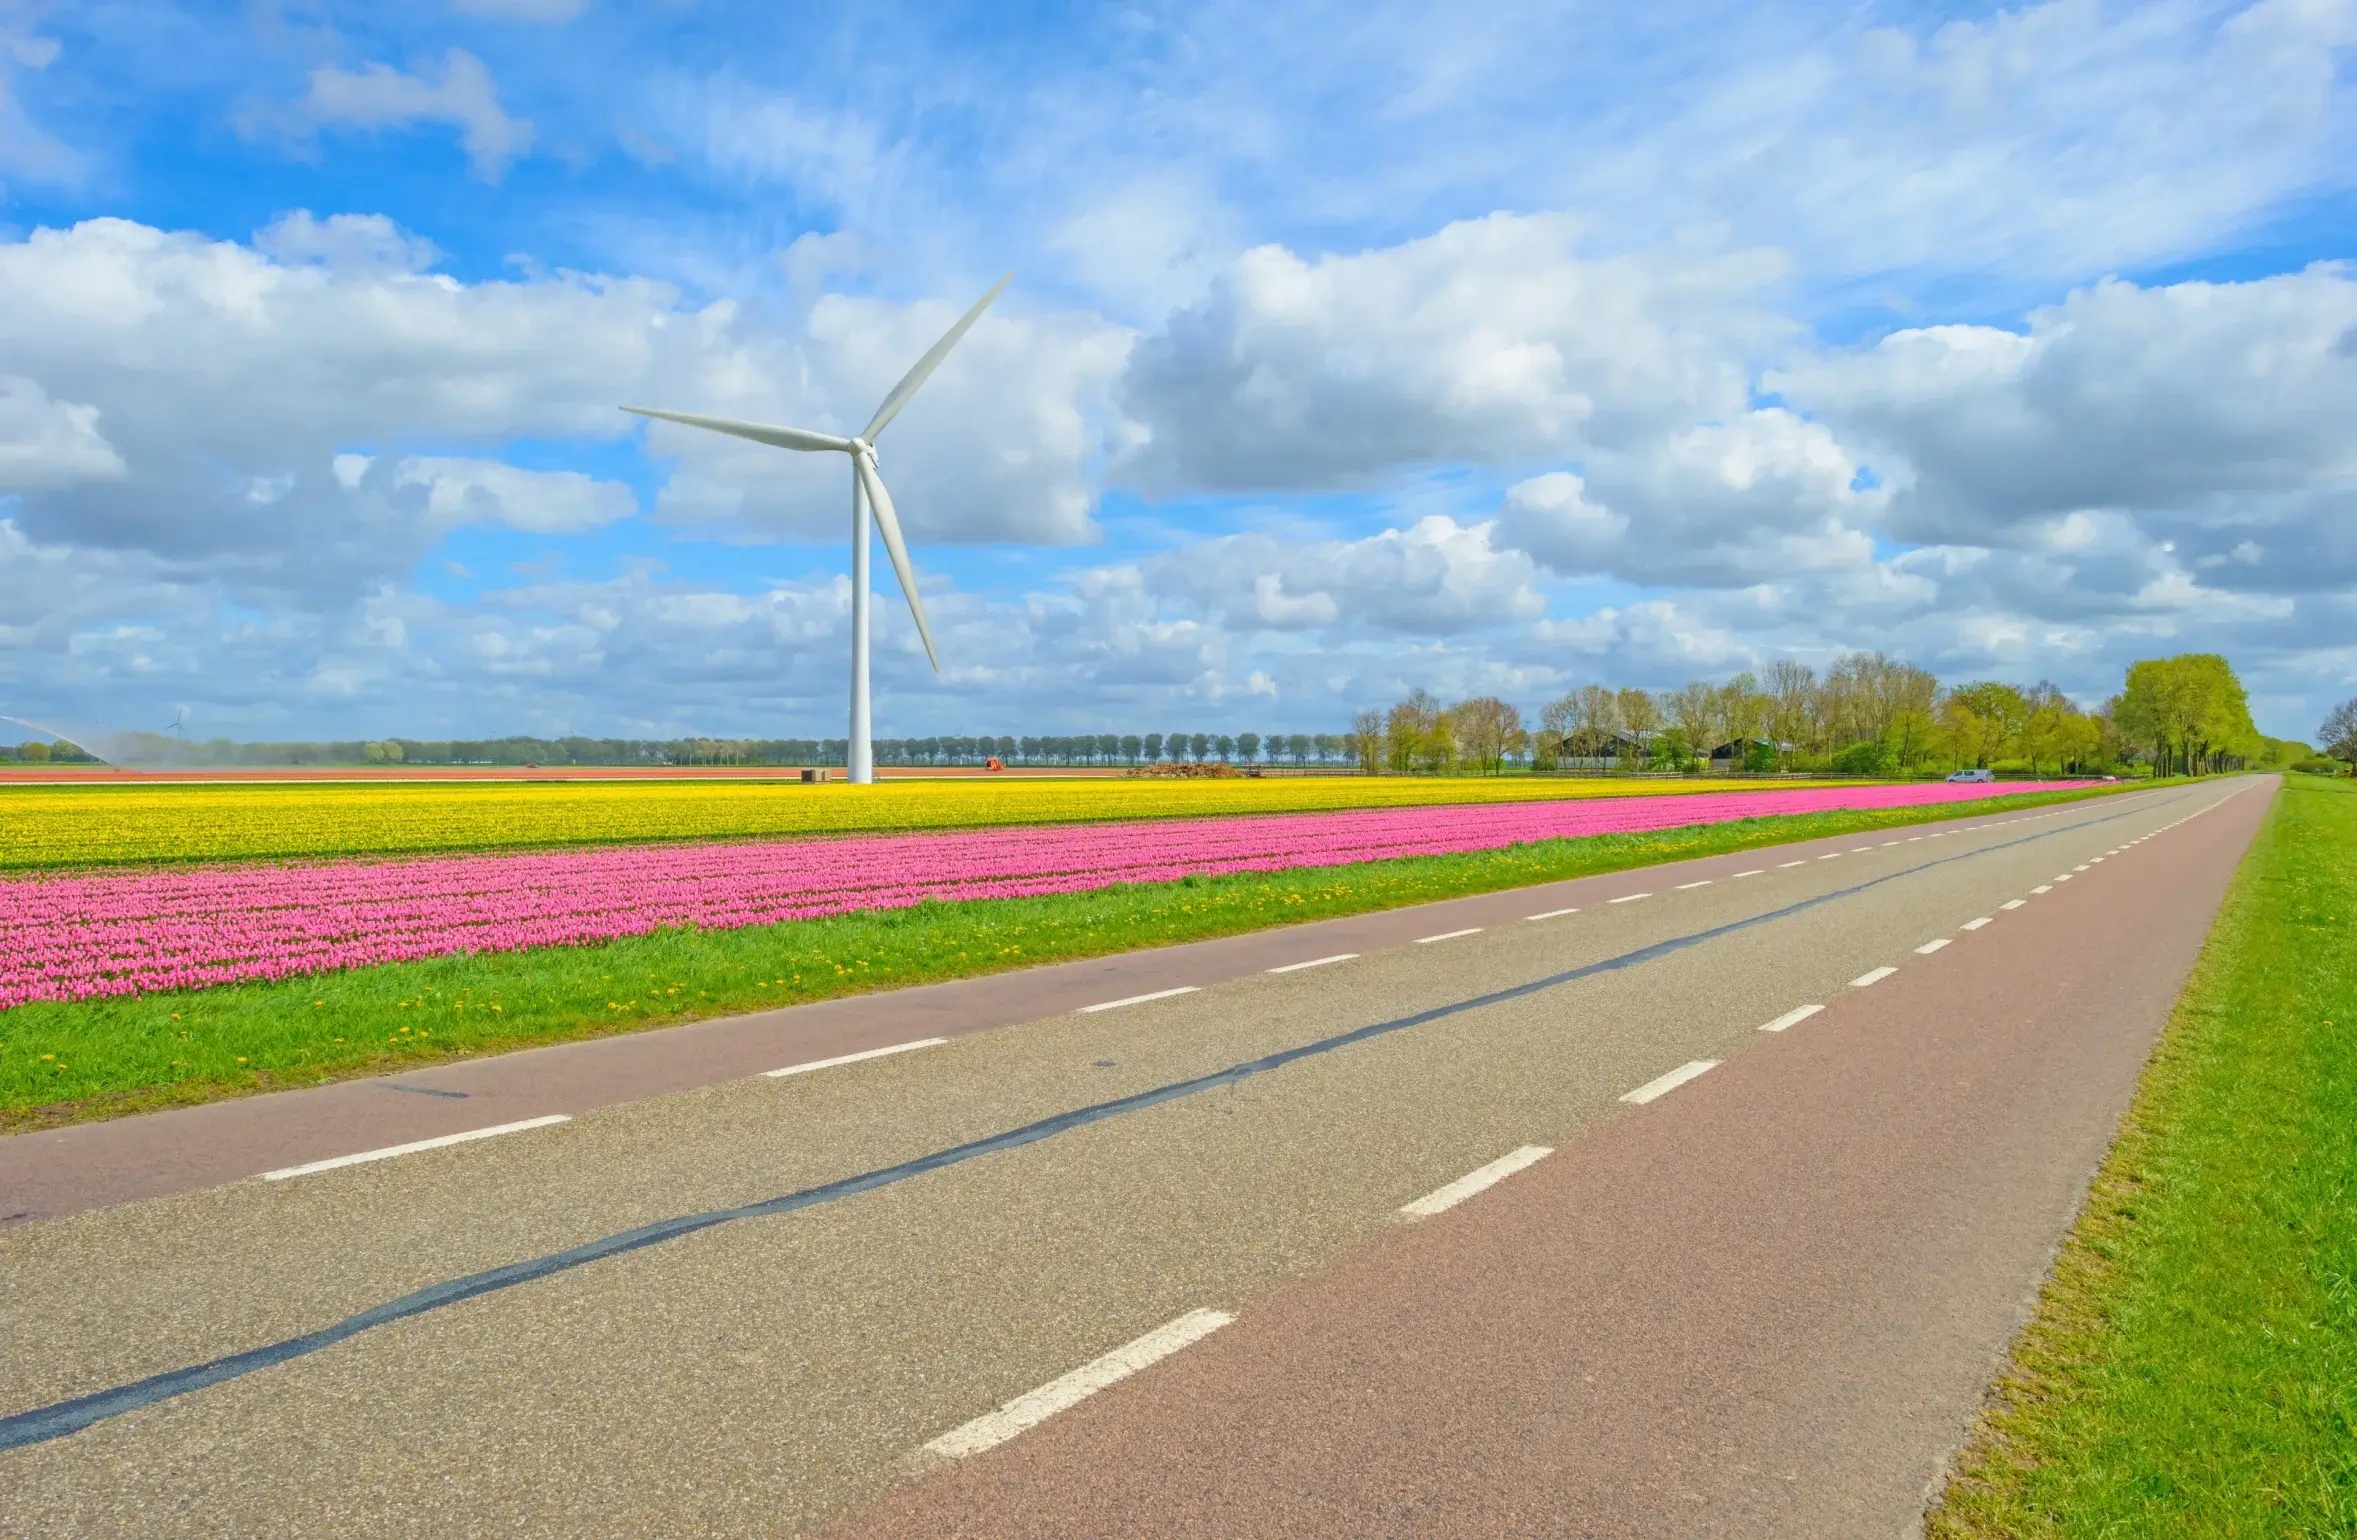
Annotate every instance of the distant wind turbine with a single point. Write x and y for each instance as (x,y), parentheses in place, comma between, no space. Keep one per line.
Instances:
(867,491)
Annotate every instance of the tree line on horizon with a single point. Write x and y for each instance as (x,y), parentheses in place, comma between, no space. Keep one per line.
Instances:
(1064,750)
(1866,714)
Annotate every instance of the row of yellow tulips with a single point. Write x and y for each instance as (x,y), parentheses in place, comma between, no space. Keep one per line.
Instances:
(52,826)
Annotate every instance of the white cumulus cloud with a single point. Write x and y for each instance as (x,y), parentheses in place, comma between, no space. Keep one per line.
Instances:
(380,96)
(46,443)
(1434,578)
(460,491)
(1492,340)
(2206,416)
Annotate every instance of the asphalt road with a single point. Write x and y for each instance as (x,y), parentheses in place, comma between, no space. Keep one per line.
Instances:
(1764,1301)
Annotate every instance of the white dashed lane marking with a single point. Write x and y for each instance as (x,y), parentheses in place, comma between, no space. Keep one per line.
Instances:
(1872,976)
(1665,1084)
(1027,1411)
(1449,935)
(1791,1018)
(852,1058)
(365,1156)
(1476,1180)
(1159,994)
(1315,962)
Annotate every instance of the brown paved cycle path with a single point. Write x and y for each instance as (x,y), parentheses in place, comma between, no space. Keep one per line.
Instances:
(1767,1304)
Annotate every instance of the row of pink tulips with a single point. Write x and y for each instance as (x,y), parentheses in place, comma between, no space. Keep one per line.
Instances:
(79,937)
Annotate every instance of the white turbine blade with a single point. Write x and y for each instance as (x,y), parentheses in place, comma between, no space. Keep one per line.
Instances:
(759,433)
(888,525)
(931,361)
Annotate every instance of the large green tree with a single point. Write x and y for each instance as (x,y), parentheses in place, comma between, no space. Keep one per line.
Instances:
(1990,721)
(2339,733)
(2190,710)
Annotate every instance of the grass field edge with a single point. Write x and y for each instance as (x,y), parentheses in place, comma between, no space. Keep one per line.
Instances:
(2085,1290)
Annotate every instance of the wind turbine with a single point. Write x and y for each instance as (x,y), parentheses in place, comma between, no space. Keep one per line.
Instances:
(867,491)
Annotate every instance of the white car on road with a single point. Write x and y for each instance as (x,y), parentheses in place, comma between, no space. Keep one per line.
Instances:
(1972,777)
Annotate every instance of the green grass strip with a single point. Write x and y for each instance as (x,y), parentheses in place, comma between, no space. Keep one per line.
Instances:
(2192,1366)
(62,1063)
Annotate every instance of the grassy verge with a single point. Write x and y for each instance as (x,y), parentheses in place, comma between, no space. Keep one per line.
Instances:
(63,1063)
(2192,1366)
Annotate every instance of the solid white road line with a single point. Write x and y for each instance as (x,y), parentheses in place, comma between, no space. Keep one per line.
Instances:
(1791,1018)
(1315,962)
(1754,872)
(1977,924)
(1038,1406)
(1932,946)
(1449,935)
(1629,898)
(852,1058)
(1476,1180)
(1872,976)
(2013,903)
(1551,914)
(411,1149)
(1159,994)
(1670,1082)
(1704,883)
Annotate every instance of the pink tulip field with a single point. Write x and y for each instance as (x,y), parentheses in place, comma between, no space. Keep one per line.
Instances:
(89,935)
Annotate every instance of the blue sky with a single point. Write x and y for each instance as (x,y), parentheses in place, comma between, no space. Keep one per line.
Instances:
(1351,349)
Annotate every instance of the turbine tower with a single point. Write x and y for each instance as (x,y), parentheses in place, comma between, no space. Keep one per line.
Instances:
(867,493)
